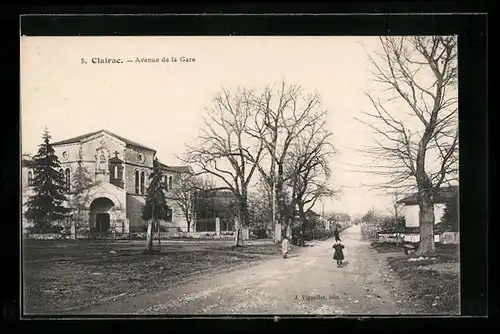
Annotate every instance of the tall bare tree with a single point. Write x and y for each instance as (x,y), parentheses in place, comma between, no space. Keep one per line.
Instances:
(183,190)
(416,147)
(281,114)
(225,150)
(307,171)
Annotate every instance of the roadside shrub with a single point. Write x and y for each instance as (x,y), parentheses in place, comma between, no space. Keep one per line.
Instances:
(259,234)
(48,230)
(369,231)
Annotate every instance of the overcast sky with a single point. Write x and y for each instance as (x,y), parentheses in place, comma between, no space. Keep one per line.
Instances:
(160,105)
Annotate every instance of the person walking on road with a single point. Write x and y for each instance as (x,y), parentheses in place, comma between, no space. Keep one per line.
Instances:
(285,247)
(336,234)
(339,253)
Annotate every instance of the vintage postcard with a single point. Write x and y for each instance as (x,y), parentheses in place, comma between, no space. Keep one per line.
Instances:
(204,175)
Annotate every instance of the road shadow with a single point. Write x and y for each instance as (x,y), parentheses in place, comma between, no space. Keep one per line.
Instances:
(289,256)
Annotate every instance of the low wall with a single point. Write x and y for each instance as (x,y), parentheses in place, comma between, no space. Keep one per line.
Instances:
(133,236)
(390,238)
(416,238)
(450,238)
(446,238)
(47,236)
(184,235)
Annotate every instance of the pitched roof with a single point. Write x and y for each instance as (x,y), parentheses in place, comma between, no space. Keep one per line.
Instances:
(178,169)
(86,135)
(312,213)
(220,194)
(441,196)
(115,159)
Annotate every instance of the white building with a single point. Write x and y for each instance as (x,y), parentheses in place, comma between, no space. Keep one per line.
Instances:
(411,212)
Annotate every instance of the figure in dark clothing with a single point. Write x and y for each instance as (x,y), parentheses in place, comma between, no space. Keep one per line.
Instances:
(339,253)
(336,234)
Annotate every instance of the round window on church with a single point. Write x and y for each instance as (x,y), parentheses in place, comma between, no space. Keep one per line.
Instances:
(65,155)
(140,156)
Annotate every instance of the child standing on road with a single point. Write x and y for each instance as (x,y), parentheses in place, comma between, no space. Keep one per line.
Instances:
(285,247)
(339,253)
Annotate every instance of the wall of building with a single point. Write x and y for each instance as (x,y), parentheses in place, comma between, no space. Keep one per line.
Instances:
(132,156)
(89,152)
(135,204)
(129,173)
(72,152)
(24,179)
(178,219)
(411,213)
(416,238)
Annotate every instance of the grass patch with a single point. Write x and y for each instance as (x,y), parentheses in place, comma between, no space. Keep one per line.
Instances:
(59,276)
(432,285)
(387,247)
(58,250)
(263,249)
(447,253)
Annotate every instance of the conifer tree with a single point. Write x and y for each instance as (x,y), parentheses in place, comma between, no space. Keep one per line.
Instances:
(156,207)
(46,206)
(450,220)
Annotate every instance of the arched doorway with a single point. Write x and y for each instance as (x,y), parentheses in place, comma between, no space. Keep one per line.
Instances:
(100,211)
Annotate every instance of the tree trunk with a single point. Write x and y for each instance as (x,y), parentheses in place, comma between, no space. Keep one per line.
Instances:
(277,228)
(159,236)
(284,229)
(237,237)
(77,223)
(426,218)
(242,218)
(303,220)
(149,237)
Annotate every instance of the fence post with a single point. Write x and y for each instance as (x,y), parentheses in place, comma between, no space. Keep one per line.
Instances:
(217,226)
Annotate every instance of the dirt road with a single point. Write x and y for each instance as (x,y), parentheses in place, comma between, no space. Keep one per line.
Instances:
(308,282)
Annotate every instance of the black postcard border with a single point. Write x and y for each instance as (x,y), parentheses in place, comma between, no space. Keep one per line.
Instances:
(472,30)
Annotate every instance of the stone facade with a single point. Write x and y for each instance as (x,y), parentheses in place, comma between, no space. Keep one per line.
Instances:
(120,170)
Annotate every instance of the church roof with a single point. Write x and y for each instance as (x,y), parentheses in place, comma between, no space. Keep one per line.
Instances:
(86,135)
(178,169)
(115,159)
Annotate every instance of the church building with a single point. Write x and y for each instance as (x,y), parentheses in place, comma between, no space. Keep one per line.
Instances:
(119,170)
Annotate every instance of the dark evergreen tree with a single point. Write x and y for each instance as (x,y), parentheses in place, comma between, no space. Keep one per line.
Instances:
(449,220)
(156,206)
(46,206)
